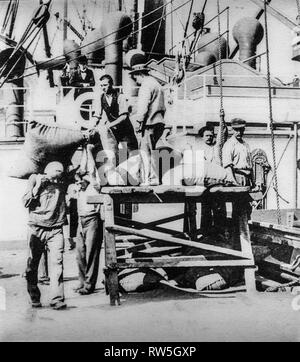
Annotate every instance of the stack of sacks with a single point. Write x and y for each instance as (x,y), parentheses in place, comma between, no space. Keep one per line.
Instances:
(194,170)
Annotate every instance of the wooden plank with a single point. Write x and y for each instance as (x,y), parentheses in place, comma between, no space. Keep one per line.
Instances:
(161,189)
(171,239)
(261,235)
(166,220)
(130,238)
(165,195)
(141,225)
(147,245)
(282,228)
(111,272)
(245,241)
(229,189)
(132,263)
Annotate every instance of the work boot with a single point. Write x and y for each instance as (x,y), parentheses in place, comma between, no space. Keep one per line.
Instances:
(58,305)
(85,291)
(36,304)
(78,288)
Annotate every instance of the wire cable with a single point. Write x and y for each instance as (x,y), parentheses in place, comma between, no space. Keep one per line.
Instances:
(61,58)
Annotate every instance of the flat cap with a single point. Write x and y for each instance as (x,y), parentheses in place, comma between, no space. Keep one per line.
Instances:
(238,123)
(139,68)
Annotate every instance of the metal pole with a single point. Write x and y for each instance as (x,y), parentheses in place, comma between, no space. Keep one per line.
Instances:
(295,178)
(141,9)
(65,25)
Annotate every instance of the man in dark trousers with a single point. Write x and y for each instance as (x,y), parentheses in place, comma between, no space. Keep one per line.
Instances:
(45,200)
(150,116)
(90,238)
(114,106)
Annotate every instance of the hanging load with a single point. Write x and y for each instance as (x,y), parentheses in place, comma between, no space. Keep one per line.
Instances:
(45,143)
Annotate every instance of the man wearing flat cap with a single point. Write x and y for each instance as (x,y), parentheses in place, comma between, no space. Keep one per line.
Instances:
(236,154)
(150,117)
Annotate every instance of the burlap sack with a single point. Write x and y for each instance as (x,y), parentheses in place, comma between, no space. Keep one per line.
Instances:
(45,143)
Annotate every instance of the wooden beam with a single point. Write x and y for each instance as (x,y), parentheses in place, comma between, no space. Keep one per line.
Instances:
(141,225)
(164,263)
(166,220)
(172,239)
(111,272)
(285,229)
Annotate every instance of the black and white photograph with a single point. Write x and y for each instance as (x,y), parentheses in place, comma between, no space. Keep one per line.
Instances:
(149,173)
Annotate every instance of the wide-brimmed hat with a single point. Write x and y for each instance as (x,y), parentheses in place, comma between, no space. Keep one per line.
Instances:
(238,123)
(139,68)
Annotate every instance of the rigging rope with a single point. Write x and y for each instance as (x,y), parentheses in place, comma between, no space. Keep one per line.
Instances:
(271,125)
(298,8)
(222,113)
(59,57)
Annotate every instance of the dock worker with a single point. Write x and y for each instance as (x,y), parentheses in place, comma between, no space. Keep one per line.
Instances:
(237,156)
(213,211)
(208,135)
(90,236)
(114,106)
(45,200)
(150,118)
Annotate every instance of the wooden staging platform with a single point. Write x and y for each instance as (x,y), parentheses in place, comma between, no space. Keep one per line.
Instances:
(119,228)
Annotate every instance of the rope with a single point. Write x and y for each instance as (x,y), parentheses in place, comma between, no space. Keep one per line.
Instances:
(298,8)
(37,43)
(188,20)
(222,113)
(103,47)
(271,113)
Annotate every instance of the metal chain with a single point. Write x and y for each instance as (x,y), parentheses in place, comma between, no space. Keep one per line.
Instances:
(271,113)
(222,113)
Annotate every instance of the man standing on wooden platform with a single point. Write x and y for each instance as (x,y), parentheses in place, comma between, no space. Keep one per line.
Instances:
(150,117)
(237,156)
(115,107)
(213,211)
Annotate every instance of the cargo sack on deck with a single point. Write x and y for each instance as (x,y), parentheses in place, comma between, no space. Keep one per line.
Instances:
(140,280)
(43,144)
(192,174)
